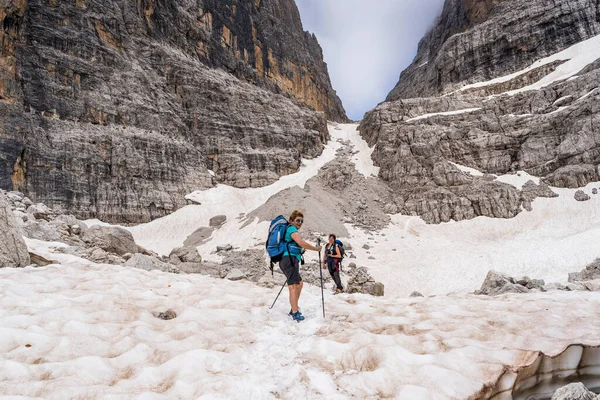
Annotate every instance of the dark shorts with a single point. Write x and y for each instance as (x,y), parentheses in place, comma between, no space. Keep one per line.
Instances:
(290,266)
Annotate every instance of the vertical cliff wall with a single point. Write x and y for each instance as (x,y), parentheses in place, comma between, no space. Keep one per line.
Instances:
(117,109)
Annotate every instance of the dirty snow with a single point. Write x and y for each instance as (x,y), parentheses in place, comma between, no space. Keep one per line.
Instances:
(82,330)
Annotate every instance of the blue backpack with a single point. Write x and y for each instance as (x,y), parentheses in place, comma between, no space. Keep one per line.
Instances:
(340,246)
(276,244)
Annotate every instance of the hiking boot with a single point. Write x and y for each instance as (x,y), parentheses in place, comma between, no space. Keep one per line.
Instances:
(297,316)
(338,290)
(291,312)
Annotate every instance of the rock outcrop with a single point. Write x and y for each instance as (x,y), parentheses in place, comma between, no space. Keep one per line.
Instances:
(478,40)
(13,251)
(550,131)
(116,110)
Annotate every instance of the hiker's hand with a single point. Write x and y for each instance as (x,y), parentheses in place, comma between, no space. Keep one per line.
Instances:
(318,248)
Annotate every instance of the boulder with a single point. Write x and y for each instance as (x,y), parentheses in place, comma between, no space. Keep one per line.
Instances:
(590,272)
(580,195)
(496,283)
(13,250)
(185,254)
(149,263)
(227,247)
(373,288)
(573,391)
(416,294)
(111,239)
(167,315)
(571,287)
(40,211)
(235,275)
(592,286)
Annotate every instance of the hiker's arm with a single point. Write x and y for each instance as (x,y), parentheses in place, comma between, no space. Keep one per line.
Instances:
(296,237)
(337,252)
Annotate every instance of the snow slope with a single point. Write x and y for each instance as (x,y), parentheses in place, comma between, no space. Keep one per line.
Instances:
(81,330)
(577,57)
(559,236)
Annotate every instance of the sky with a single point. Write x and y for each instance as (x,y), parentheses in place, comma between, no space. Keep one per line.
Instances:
(367,43)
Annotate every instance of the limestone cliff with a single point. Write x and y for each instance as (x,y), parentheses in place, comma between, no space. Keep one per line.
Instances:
(263,41)
(544,124)
(477,40)
(116,110)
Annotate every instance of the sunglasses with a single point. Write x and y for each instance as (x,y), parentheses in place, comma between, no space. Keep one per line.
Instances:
(300,221)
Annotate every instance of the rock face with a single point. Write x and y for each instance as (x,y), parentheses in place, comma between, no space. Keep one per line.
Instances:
(551,131)
(13,251)
(263,41)
(115,110)
(478,40)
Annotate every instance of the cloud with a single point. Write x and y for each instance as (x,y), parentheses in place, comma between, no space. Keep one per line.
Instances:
(367,43)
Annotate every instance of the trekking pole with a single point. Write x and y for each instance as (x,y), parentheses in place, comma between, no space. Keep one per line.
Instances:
(321,272)
(278,294)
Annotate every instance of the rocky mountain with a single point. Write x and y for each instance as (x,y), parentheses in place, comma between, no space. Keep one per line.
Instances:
(116,110)
(523,112)
(478,40)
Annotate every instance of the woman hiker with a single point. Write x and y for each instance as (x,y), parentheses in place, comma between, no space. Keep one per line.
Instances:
(290,263)
(331,259)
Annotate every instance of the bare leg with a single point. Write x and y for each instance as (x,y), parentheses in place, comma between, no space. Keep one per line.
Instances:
(300,286)
(294,294)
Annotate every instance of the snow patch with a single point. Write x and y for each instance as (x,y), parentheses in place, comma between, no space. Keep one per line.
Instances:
(577,57)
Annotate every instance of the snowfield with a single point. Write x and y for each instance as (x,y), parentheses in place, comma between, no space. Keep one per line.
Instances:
(80,330)
(83,330)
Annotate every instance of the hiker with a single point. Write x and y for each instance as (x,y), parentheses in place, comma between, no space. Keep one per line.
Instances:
(290,263)
(331,259)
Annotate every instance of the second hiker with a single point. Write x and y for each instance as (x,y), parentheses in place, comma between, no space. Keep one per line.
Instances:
(290,263)
(331,259)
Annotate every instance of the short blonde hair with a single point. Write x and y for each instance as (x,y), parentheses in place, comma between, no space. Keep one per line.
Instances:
(296,214)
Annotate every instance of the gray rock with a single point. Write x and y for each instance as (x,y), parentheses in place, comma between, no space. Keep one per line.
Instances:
(592,286)
(416,294)
(13,250)
(360,281)
(590,272)
(390,208)
(186,254)
(40,260)
(553,286)
(594,191)
(149,263)
(40,211)
(112,239)
(217,221)
(167,315)
(373,288)
(43,230)
(235,275)
(227,247)
(573,391)
(366,246)
(536,284)
(575,286)
(580,195)
(496,283)
(75,229)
